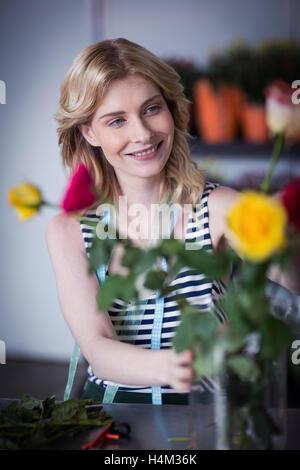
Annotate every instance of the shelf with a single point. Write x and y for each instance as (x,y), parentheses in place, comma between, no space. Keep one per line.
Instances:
(239,148)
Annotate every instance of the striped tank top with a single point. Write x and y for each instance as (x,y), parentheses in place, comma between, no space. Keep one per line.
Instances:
(195,287)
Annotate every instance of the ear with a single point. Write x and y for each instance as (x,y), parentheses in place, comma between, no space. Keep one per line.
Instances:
(89,135)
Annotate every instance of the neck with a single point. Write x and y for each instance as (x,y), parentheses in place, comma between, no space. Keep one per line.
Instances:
(145,191)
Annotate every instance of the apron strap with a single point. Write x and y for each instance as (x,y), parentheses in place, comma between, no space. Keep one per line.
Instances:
(72,370)
(158,319)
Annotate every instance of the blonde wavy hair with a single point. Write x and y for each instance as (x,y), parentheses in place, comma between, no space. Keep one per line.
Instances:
(81,93)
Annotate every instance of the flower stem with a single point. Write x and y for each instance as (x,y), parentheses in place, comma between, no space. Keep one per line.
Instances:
(265,185)
(50,204)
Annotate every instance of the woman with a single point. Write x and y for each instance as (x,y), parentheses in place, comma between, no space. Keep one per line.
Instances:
(123,114)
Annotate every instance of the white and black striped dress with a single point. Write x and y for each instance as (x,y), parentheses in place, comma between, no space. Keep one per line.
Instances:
(196,288)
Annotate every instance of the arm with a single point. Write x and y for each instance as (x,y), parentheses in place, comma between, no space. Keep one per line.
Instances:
(110,359)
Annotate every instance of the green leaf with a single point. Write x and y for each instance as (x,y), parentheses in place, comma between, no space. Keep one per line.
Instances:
(231,338)
(100,252)
(147,260)
(81,414)
(253,275)
(132,257)
(205,324)
(116,286)
(244,367)
(208,359)
(155,279)
(31,408)
(203,365)
(109,291)
(66,417)
(212,264)
(65,411)
(171,247)
(48,405)
(275,336)
(184,335)
(195,325)
(253,304)
(230,305)
(283,258)
(31,403)
(11,414)
(127,290)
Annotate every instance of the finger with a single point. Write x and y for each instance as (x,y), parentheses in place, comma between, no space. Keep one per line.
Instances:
(185,357)
(183,387)
(183,374)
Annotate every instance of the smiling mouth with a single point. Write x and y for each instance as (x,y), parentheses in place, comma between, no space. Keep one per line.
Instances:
(148,152)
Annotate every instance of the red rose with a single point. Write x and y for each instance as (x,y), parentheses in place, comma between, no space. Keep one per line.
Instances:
(79,193)
(291,200)
(280,91)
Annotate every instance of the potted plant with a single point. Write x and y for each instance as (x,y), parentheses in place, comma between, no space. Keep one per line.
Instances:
(248,74)
(216,102)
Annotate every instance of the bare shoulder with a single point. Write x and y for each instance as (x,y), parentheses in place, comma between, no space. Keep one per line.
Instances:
(219,201)
(222,197)
(64,231)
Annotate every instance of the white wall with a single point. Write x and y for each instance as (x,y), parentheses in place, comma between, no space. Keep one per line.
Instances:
(195,28)
(38,41)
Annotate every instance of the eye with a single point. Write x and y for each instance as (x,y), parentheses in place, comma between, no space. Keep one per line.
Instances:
(155,106)
(115,122)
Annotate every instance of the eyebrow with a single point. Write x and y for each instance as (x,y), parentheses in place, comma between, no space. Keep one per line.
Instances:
(116,113)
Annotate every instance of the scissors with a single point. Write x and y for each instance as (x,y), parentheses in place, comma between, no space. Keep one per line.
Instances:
(113,430)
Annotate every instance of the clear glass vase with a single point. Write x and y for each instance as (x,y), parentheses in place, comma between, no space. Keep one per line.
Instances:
(244,413)
(241,414)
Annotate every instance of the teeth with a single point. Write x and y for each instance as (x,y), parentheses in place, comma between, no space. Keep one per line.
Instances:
(145,153)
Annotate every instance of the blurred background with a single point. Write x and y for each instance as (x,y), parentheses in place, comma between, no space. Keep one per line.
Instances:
(226,52)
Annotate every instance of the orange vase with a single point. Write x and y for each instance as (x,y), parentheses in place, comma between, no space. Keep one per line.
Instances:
(214,113)
(254,126)
(238,99)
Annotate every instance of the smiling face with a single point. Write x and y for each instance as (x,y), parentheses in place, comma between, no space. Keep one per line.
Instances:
(133,118)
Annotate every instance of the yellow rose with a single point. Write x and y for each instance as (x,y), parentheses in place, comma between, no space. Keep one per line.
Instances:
(26,199)
(257,226)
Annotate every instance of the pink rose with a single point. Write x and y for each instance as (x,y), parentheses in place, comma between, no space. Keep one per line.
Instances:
(281,113)
(80,192)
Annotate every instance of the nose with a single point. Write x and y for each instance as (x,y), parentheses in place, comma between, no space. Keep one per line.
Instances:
(140,131)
